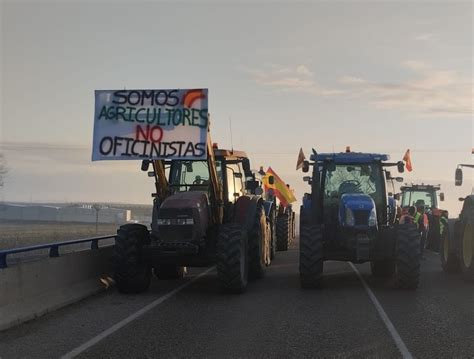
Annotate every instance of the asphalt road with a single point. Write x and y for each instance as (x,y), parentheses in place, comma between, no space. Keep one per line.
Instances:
(274,319)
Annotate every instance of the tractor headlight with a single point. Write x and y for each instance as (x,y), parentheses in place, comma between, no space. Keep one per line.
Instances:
(350,221)
(175,221)
(163,221)
(373,218)
(184,221)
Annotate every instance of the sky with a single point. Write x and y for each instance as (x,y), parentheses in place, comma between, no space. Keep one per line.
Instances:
(379,76)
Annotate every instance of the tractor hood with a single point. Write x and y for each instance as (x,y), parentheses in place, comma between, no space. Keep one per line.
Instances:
(185,209)
(357,209)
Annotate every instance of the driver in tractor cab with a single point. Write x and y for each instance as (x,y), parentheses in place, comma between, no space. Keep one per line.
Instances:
(408,217)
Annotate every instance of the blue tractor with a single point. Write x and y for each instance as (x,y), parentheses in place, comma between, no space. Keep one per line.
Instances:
(348,217)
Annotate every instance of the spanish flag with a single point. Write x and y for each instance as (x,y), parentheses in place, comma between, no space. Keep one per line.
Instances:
(407,159)
(279,188)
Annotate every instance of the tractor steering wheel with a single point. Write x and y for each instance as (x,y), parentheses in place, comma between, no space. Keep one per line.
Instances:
(349,186)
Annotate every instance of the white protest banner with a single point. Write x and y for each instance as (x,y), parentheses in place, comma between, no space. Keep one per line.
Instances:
(150,124)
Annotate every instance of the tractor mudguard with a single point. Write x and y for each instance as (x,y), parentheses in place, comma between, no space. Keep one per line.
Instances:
(245,210)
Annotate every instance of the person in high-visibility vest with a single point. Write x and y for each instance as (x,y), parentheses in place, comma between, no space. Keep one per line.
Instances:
(443,223)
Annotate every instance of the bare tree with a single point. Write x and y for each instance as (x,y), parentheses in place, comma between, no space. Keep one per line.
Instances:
(3,169)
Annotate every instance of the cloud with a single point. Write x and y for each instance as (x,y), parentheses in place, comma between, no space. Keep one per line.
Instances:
(424,37)
(297,78)
(430,92)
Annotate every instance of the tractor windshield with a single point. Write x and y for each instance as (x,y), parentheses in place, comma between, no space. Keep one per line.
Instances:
(353,178)
(418,197)
(189,176)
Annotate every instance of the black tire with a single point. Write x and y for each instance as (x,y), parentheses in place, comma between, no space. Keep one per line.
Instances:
(257,248)
(283,232)
(382,269)
(274,237)
(450,261)
(311,256)
(169,272)
(132,274)
(467,249)
(408,256)
(232,258)
(293,227)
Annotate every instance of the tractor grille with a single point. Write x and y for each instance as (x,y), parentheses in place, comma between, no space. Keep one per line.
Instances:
(175,233)
(361,218)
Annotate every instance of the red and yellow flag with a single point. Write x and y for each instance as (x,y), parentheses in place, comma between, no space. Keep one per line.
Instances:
(407,159)
(279,188)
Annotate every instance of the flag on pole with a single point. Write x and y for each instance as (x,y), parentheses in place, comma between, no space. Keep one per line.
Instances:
(279,188)
(407,159)
(301,159)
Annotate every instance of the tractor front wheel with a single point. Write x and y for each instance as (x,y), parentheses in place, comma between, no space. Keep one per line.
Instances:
(467,250)
(283,232)
(132,274)
(259,246)
(232,258)
(408,256)
(311,256)
(450,260)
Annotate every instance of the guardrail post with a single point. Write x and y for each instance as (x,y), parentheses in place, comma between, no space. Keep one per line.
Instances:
(54,251)
(3,260)
(95,244)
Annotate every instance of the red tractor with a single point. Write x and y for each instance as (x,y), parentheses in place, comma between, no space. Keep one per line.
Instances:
(204,214)
(427,197)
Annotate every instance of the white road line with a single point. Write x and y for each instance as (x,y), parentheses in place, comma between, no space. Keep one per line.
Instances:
(83,347)
(386,320)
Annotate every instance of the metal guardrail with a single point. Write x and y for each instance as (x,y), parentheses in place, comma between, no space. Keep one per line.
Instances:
(53,248)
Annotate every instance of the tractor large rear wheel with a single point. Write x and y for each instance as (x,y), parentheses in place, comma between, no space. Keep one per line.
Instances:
(132,274)
(408,256)
(311,256)
(448,252)
(232,258)
(467,249)
(259,246)
(283,232)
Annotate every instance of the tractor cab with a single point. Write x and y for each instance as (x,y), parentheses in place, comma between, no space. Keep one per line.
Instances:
(349,190)
(421,195)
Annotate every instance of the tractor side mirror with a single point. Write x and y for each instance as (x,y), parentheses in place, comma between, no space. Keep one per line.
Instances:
(401,167)
(145,165)
(305,167)
(441,196)
(246,165)
(252,186)
(458,177)
(271,180)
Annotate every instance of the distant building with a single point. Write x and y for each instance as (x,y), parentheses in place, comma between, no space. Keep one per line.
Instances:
(81,213)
